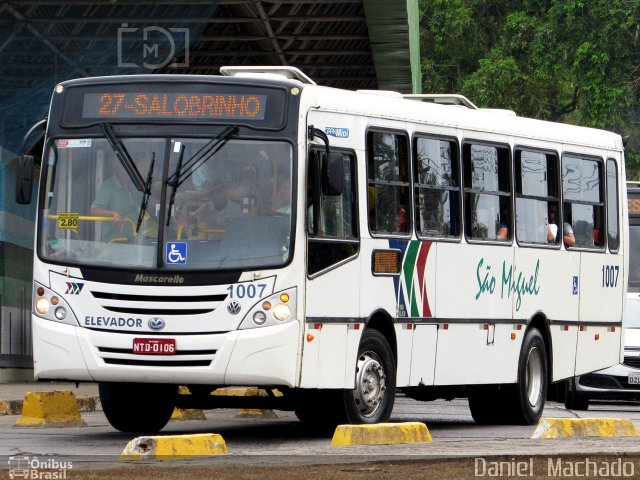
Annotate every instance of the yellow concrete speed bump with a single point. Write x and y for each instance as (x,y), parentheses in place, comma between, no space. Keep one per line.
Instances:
(187,414)
(57,408)
(174,447)
(381,434)
(10,407)
(256,413)
(584,427)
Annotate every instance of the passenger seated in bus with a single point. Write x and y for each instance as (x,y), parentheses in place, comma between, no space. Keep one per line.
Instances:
(502,232)
(597,240)
(119,199)
(552,234)
(212,217)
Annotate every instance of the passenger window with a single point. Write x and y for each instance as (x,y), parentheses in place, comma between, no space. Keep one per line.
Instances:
(537,199)
(613,209)
(437,187)
(332,220)
(388,183)
(487,192)
(583,201)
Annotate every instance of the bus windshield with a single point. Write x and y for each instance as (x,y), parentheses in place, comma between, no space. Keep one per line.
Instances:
(231,208)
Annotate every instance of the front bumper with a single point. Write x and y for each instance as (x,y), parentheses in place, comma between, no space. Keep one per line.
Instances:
(260,356)
(610,383)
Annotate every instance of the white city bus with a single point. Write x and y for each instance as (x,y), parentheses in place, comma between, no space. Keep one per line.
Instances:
(258,229)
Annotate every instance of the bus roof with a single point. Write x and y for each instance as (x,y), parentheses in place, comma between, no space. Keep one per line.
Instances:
(470,120)
(395,107)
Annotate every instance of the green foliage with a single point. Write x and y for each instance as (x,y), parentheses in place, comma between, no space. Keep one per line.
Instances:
(574,61)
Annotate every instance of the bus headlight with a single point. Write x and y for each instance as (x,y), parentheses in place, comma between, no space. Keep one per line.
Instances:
(60,313)
(259,317)
(42,305)
(281,312)
(273,310)
(51,306)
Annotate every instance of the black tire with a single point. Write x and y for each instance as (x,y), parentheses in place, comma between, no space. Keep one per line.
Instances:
(488,404)
(137,407)
(375,380)
(529,394)
(573,400)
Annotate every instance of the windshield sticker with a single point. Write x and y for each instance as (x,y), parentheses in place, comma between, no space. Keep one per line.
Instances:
(74,143)
(176,147)
(68,220)
(176,253)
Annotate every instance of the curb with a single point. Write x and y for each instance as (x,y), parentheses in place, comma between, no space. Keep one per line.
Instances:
(174,447)
(381,434)
(549,428)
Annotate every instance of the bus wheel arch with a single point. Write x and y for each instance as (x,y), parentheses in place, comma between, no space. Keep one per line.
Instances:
(540,322)
(381,321)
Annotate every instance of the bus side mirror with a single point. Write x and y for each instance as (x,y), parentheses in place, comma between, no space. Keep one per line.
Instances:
(24,179)
(333,175)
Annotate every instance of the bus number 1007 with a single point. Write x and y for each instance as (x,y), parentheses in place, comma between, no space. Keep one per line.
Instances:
(610,275)
(242,290)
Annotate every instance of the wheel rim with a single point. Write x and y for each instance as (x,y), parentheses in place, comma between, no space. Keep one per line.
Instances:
(533,379)
(370,384)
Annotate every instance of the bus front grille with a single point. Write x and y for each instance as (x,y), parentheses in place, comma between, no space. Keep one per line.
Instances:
(157,363)
(158,305)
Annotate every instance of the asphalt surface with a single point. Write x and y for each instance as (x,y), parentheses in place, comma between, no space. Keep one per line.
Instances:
(267,440)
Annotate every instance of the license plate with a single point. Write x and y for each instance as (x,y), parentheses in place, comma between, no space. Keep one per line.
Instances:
(154,346)
(634,379)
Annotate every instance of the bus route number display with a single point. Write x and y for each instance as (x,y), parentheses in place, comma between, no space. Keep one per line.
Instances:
(166,106)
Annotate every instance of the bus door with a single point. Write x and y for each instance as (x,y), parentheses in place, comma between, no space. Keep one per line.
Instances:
(333,282)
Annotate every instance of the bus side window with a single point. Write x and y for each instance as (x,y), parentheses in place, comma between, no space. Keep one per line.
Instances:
(613,207)
(388,183)
(537,199)
(332,220)
(487,192)
(583,192)
(437,187)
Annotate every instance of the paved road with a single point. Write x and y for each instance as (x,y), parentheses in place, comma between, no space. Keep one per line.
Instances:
(285,439)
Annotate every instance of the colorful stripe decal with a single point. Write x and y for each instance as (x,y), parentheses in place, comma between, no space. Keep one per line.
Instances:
(411,286)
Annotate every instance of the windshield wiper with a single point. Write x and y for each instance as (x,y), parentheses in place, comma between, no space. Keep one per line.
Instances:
(125,159)
(198,159)
(174,185)
(147,192)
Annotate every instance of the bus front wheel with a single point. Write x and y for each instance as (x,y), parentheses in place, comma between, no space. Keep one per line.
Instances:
(375,381)
(137,407)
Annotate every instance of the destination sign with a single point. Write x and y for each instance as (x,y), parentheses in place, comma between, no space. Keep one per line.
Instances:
(172,102)
(166,106)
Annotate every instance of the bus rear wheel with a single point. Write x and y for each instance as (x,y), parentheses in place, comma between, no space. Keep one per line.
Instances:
(520,403)
(529,394)
(375,382)
(137,407)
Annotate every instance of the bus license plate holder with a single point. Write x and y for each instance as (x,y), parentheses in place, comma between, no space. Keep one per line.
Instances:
(634,379)
(154,346)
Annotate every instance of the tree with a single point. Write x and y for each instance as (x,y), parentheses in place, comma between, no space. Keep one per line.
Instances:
(573,61)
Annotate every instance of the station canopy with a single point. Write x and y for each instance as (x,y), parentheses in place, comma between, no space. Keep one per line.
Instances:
(351,44)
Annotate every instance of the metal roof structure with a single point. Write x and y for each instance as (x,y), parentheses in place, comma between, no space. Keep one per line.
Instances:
(351,44)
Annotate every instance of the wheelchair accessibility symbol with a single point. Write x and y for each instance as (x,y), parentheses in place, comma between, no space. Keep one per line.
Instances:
(176,253)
